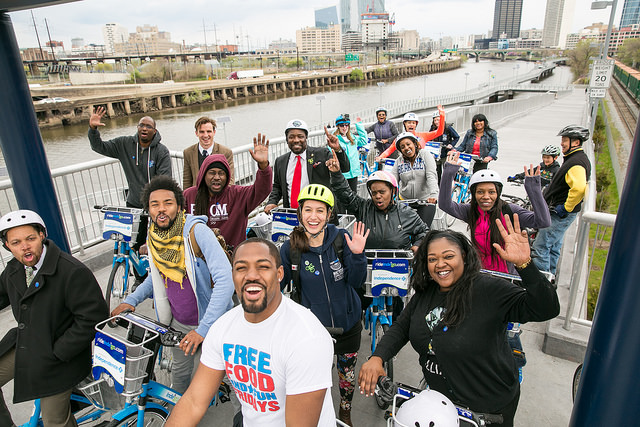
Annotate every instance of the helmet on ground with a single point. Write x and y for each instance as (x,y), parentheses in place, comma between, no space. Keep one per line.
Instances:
(485,175)
(410,117)
(316,192)
(575,132)
(429,408)
(18,218)
(343,119)
(404,135)
(262,219)
(381,109)
(382,176)
(551,150)
(297,124)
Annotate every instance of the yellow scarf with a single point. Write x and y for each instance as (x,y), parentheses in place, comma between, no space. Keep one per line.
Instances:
(167,249)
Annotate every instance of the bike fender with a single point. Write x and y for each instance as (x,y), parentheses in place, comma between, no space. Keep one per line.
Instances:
(384,320)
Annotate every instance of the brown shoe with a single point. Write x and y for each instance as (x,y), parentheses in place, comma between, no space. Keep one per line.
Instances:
(344,415)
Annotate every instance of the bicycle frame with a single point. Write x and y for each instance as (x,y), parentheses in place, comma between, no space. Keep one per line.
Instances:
(36,416)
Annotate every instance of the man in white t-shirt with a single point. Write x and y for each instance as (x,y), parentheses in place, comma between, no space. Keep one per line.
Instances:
(276,353)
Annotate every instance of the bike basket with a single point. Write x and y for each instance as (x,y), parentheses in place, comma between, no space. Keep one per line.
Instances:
(121,222)
(434,149)
(124,361)
(388,272)
(346,222)
(465,161)
(283,221)
(101,393)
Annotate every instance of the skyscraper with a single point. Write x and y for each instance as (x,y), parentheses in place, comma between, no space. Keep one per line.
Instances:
(630,13)
(114,33)
(506,19)
(558,20)
(351,10)
(326,17)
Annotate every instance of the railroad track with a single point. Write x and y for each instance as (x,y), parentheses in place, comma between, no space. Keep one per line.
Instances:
(626,106)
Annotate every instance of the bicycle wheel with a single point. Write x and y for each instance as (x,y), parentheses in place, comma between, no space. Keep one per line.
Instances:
(153,417)
(388,366)
(116,285)
(576,382)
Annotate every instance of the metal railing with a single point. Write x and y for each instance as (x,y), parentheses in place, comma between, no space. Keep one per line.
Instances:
(580,268)
(98,182)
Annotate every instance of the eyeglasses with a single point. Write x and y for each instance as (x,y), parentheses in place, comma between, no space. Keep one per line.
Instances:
(145,126)
(341,125)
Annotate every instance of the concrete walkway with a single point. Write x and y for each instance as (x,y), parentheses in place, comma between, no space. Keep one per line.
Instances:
(546,391)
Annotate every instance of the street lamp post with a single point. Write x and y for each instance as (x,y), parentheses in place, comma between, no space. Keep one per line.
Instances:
(489,80)
(321,98)
(466,77)
(224,120)
(424,90)
(380,85)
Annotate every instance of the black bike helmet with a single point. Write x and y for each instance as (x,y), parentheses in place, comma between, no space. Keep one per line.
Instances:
(575,132)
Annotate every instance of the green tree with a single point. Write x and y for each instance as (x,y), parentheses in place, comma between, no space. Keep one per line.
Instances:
(629,52)
(580,58)
(356,74)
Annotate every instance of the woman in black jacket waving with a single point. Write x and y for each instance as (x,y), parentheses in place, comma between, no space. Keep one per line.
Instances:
(457,320)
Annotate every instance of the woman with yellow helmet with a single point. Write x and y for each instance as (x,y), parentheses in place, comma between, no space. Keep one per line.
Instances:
(326,266)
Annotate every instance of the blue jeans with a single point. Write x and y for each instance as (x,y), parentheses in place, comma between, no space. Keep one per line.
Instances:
(546,247)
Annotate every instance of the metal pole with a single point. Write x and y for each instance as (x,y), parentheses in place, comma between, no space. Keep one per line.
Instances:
(609,388)
(21,141)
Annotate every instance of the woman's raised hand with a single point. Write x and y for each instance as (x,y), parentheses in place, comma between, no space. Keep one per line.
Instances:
(532,171)
(359,239)
(453,157)
(516,243)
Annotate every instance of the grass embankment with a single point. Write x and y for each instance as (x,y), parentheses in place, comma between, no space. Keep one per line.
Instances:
(607,200)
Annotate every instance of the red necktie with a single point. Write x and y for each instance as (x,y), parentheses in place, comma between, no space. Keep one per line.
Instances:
(295,185)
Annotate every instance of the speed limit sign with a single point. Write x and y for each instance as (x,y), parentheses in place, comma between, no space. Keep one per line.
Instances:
(601,74)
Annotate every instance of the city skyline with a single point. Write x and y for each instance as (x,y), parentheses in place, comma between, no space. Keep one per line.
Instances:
(86,19)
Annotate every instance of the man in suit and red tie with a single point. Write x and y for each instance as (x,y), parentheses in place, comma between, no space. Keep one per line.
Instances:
(301,166)
(195,154)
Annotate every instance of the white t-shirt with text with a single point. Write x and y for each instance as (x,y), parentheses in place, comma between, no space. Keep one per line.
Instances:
(289,353)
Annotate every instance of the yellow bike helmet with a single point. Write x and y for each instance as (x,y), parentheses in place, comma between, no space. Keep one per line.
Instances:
(316,192)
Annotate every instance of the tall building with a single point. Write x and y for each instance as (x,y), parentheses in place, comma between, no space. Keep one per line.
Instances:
(316,40)
(558,20)
(352,10)
(326,17)
(112,34)
(375,29)
(630,13)
(506,19)
(147,40)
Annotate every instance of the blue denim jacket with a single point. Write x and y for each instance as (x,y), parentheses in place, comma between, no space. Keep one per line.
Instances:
(488,143)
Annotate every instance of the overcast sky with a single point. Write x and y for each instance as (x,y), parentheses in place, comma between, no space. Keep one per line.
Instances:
(267,20)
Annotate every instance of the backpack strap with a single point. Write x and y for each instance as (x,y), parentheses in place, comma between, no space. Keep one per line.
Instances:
(198,252)
(296,292)
(194,244)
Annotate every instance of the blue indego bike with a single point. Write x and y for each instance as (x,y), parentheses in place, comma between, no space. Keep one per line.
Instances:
(460,192)
(121,226)
(121,390)
(388,274)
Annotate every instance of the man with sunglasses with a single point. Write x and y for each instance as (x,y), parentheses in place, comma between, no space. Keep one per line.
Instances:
(142,157)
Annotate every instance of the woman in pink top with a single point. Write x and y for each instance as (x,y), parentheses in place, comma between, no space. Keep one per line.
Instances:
(481,141)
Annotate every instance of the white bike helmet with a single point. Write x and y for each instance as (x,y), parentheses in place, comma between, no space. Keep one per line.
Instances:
(18,218)
(410,117)
(429,408)
(381,109)
(404,135)
(297,124)
(262,219)
(485,175)
(436,114)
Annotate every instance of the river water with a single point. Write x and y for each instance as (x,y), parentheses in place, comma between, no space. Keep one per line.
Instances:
(69,145)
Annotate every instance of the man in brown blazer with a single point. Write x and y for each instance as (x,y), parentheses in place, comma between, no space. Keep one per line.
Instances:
(195,154)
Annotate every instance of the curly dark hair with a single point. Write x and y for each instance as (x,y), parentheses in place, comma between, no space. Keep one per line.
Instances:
(161,182)
(458,300)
